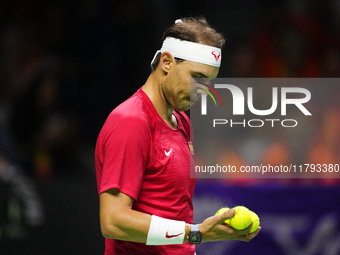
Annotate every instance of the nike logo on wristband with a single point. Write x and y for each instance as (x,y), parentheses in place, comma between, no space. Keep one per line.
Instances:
(167,153)
(171,236)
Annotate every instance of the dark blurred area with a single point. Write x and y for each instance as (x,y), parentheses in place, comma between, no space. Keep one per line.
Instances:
(64,65)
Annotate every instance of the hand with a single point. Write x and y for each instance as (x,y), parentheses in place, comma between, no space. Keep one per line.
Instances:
(215,229)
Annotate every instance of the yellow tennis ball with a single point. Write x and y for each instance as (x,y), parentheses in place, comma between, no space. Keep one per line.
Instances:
(256,221)
(242,218)
(222,210)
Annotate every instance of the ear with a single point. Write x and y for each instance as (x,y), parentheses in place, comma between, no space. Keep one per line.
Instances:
(166,61)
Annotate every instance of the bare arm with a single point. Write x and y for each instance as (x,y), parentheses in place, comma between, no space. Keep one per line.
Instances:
(119,221)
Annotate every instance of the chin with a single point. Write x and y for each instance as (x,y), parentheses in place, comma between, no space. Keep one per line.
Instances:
(183,108)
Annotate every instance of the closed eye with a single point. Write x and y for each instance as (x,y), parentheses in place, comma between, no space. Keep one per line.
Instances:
(198,75)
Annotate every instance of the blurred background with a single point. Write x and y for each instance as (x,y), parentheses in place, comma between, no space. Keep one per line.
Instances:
(64,65)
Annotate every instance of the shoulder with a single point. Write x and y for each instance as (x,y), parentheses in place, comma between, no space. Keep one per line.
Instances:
(130,117)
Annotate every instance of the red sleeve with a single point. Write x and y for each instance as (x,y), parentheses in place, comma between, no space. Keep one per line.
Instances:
(125,144)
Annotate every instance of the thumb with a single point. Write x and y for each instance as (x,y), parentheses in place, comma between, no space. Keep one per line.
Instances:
(227,214)
(208,223)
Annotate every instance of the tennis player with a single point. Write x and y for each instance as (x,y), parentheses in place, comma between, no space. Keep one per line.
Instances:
(144,152)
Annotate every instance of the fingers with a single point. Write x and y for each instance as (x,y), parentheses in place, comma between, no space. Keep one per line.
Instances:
(245,235)
(247,230)
(249,237)
(215,225)
(252,235)
(215,229)
(221,218)
(227,215)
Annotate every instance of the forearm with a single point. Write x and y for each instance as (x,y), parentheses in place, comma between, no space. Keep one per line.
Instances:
(127,225)
(119,221)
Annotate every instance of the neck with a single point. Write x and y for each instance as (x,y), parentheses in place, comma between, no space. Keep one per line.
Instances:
(152,88)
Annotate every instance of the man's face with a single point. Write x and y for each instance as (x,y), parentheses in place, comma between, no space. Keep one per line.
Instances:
(176,87)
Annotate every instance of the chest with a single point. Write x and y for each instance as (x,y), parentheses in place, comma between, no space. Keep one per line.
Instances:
(170,156)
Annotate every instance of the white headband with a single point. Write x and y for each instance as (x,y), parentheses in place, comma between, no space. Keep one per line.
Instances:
(191,51)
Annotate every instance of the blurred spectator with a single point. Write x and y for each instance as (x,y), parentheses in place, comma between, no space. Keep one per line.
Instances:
(243,61)
(46,129)
(330,63)
(20,204)
(292,40)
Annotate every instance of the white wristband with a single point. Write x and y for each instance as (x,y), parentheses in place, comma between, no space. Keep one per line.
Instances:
(163,231)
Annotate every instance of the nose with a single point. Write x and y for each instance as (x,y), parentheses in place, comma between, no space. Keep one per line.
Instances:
(202,88)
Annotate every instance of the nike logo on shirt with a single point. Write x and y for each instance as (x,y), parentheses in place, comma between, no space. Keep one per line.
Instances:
(167,153)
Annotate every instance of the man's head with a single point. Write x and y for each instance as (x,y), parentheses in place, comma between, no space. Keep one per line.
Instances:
(192,29)
(191,49)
